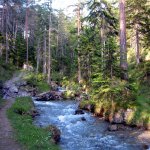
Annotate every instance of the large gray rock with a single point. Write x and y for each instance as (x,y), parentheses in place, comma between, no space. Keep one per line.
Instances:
(21,83)
(13,89)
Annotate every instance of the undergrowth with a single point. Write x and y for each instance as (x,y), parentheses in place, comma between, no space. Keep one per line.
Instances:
(38,81)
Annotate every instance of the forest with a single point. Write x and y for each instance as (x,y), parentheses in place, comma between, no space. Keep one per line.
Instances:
(99,55)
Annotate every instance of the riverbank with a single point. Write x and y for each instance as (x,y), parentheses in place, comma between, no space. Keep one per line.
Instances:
(31,137)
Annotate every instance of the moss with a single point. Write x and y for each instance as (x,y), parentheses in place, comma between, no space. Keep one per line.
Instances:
(30,136)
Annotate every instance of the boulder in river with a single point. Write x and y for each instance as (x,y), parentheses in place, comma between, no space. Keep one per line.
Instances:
(145,146)
(83,119)
(112,127)
(79,112)
(34,113)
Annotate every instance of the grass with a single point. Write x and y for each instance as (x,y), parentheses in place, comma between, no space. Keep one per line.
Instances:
(30,136)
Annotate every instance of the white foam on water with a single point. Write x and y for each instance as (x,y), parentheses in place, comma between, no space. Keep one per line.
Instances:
(45,103)
(109,139)
(61,118)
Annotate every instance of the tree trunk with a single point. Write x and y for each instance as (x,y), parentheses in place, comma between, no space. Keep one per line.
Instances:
(123,48)
(137,49)
(49,48)
(38,56)
(45,53)
(6,34)
(79,57)
(26,32)
(103,40)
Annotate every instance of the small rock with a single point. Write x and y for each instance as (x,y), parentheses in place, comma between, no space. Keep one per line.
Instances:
(83,119)
(112,127)
(79,112)
(55,132)
(34,113)
(145,146)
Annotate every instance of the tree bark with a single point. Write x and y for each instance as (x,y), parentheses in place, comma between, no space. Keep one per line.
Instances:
(137,48)
(38,56)
(123,48)
(103,41)
(26,32)
(79,29)
(45,53)
(49,48)
(6,34)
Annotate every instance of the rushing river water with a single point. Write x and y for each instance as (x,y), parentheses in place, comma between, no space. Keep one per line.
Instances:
(76,134)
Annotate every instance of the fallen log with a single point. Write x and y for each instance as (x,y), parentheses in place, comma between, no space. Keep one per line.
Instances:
(50,95)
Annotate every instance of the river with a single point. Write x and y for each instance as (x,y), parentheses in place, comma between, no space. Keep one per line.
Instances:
(76,134)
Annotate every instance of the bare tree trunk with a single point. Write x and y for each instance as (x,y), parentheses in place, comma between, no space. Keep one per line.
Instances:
(2,27)
(15,34)
(45,53)
(49,48)
(103,40)
(123,48)
(137,49)
(6,34)
(26,32)
(57,49)
(38,56)
(79,28)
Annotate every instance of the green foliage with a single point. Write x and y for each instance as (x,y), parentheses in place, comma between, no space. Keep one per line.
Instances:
(38,81)
(86,102)
(30,136)
(112,89)
(56,76)
(6,71)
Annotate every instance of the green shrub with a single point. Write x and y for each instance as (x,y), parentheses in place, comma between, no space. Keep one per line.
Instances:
(38,81)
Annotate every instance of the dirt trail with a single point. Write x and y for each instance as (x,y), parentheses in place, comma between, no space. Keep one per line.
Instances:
(7,141)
